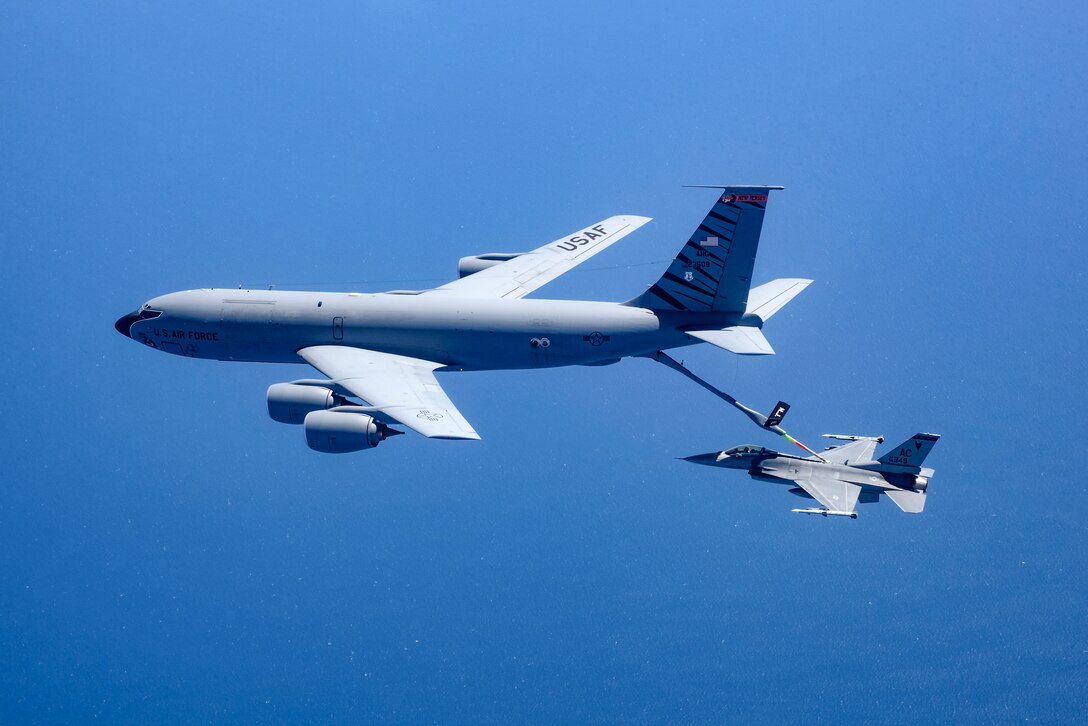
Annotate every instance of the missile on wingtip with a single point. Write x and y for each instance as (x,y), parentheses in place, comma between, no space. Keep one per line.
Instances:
(852,437)
(826,512)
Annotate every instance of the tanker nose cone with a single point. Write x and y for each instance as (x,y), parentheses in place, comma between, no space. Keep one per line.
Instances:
(124,323)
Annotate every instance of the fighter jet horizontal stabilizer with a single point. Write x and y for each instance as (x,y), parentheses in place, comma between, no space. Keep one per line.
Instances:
(827,512)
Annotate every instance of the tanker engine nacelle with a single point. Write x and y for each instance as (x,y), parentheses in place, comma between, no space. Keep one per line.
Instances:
(471,265)
(341,432)
(290,402)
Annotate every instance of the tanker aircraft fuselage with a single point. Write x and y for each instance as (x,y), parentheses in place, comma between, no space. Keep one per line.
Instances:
(383,348)
(464,333)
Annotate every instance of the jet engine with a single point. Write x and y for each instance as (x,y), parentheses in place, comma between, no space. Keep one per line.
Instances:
(471,265)
(341,432)
(290,402)
(921,483)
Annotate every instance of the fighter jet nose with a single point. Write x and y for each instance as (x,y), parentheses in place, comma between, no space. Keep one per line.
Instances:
(124,323)
(709,459)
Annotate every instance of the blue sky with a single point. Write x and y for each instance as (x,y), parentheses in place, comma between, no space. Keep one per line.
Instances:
(168,553)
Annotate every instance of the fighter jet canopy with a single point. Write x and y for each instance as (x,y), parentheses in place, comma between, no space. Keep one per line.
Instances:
(748,450)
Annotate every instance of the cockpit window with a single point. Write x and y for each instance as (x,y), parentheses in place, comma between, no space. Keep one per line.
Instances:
(746,450)
(146,314)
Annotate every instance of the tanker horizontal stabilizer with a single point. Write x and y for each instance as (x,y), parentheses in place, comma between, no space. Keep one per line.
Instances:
(770,297)
(740,339)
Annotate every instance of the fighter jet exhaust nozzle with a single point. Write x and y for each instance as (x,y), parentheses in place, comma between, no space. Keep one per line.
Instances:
(921,483)
(340,432)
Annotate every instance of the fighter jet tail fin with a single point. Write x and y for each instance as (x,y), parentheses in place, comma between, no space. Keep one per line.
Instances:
(713,272)
(910,454)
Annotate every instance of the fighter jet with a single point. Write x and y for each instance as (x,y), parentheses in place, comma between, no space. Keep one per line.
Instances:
(842,476)
(385,348)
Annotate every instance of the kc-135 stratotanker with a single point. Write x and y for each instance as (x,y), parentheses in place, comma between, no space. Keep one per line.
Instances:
(385,348)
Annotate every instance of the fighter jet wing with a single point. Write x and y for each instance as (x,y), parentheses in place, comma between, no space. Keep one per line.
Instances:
(858,451)
(836,495)
(520,276)
(403,389)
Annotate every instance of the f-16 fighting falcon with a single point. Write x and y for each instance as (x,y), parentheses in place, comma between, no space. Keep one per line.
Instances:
(384,348)
(842,476)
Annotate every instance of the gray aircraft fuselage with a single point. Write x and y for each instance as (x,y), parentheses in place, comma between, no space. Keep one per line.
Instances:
(782,468)
(464,333)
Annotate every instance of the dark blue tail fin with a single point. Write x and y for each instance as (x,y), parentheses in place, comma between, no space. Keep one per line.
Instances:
(713,272)
(910,454)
